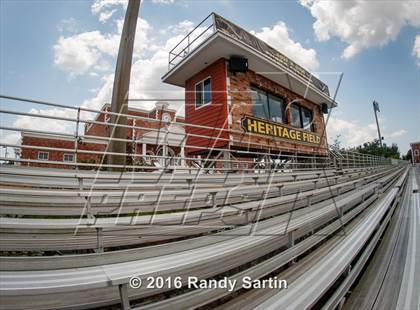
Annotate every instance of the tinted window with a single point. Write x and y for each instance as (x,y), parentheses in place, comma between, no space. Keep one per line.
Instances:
(306,118)
(207,91)
(198,94)
(203,93)
(301,117)
(296,121)
(259,103)
(68,157)
(267,106)
(43,155)
(276,108)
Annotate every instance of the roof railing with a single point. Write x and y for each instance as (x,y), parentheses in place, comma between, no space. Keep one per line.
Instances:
(192,40)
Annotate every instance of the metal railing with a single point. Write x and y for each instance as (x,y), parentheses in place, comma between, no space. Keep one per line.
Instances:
(192,40)
(255,157)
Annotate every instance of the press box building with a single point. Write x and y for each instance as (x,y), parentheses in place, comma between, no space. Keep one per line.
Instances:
(242,94)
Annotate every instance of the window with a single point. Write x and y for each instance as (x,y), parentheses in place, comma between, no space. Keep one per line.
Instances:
(301,117)
(296,121)
(276,108)
(68,157)
(203,93)
(267,106)
(43,155)
(260,103)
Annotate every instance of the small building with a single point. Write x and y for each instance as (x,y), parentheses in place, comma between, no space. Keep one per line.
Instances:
(244,97)
(147,136)
(415,152)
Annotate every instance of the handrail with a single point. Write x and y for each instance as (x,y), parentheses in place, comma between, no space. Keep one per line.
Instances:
(267,153)
(187,37)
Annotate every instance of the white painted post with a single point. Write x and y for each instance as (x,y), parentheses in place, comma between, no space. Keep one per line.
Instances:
(182,153)
(125,301)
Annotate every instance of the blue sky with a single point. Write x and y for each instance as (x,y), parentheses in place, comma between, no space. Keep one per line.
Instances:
(64,52)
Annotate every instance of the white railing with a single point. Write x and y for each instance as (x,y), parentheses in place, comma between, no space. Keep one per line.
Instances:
(255,157)
(192,40)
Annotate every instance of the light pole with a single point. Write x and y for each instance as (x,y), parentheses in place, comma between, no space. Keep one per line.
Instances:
(375,110)
(119,103)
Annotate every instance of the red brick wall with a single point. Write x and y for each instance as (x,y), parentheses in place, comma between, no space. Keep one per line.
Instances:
(240,84)
(98,130)
(94,130)
(213,115)
(56,155)
(144,123)
(32,153)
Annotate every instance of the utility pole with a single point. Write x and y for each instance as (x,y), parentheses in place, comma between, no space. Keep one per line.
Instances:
(375,110)
(119,103)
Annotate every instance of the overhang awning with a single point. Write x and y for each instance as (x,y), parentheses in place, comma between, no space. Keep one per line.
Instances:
(229,40)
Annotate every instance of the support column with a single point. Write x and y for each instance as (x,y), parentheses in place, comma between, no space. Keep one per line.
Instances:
(119,103)
(165,154)
(226,156)
(125,301)
(182,163)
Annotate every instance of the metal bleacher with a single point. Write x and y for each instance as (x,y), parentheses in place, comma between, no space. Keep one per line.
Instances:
(74,239)
(57,260)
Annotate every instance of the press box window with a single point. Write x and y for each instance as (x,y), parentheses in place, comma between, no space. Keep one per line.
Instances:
(68,157)
(203,93)
(43,155)
(302,117)
(267,106)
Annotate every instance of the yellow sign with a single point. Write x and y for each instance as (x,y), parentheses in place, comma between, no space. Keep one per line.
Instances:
(262,127)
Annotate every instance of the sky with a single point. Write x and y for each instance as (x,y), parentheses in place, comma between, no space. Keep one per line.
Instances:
(65,52)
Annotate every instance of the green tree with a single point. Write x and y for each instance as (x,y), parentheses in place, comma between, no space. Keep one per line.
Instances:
(408,156)
(374,148)
(336,144)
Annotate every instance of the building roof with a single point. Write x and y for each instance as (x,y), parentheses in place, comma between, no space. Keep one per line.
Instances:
(135,109)
(223,39)
(60,137)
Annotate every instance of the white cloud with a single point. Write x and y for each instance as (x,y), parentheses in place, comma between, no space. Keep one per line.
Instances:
(40,124)
(362,24)
(104,16)
(416,49)
(74,54)
(146,72)
(80,53)
(99,6)
(398,133)
(183,27)
(9,137)
(68,25)
(278,37)
(352,133)
(163,1)
(145,83)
